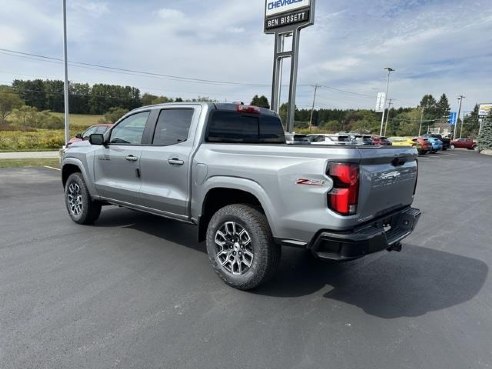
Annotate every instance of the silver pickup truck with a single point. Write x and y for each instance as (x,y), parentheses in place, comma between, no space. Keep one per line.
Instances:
(227,169)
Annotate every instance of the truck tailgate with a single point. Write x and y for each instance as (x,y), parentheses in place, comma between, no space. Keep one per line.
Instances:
(387,180)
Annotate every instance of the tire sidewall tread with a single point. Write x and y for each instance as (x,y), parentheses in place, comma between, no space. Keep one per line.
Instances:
(90,209)
(266,252)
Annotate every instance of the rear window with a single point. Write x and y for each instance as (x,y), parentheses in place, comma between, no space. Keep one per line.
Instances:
(233,127)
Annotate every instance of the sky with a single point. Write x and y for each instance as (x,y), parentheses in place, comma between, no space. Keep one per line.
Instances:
(217,48)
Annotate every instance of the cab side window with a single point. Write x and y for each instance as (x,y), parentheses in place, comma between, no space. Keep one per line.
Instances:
(172,126)
(130,130)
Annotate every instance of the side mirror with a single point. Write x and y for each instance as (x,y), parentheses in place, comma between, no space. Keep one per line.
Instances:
(96,139)
(79,135)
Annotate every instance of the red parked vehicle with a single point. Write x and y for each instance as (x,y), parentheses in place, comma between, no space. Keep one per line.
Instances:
(96,128)
(423,145)
(463,143)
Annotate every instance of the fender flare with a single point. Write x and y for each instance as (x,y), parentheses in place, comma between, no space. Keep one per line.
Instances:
(241,184)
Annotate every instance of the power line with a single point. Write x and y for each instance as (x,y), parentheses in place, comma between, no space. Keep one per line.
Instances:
(124,70)
(346,91)
(128,71)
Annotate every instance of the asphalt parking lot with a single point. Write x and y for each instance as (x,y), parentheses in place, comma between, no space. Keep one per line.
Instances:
(137,291)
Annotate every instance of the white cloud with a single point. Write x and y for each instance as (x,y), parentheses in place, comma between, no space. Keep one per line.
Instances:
(12,38)
(92,8)
(339,65)
(435,47)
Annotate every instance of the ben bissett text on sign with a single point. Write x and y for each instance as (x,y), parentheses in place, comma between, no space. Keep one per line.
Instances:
(288,19)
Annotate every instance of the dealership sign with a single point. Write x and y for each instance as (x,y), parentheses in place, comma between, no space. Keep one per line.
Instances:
(287,15)
(484,110)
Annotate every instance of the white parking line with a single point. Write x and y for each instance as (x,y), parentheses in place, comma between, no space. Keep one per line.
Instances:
(47,166)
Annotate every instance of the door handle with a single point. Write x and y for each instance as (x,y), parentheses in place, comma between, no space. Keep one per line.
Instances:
(131,158)
(175,161)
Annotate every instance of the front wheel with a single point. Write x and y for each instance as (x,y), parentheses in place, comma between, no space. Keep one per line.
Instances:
(240,246)
(81,208)
(451,147)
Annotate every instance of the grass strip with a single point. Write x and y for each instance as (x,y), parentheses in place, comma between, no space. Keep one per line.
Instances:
(20,163)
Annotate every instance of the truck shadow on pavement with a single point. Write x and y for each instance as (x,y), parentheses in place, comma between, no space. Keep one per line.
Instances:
(388,285)
(411,283)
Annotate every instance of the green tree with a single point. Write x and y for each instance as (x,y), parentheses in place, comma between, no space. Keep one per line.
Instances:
(114,113)
(148,99)
(32,92)
(261,101)
(54,91)
(485,136)
(471,123)
(332,126)
(8,102)
(406,123)
(79,94)
(443,108)
(429,104)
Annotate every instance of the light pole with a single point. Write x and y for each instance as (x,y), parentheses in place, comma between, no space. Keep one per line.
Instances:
(421,117)
(387,115)
(312,109)
(65,60)
(385,98)
(460,99)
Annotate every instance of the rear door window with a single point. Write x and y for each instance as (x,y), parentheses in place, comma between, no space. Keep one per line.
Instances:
(173,126)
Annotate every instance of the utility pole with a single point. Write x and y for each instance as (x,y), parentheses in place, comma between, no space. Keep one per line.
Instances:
(65,60)
(460,99)
(385,97)
(312,109)
(387,116)
(421,118)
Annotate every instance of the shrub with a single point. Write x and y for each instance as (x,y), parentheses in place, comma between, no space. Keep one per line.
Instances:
(39,140)
(114,114)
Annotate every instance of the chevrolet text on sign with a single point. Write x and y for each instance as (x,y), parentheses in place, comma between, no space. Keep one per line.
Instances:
(274,7)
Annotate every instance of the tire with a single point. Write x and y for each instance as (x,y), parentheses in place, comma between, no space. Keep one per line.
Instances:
(451,147)
(81,208)
(240,246)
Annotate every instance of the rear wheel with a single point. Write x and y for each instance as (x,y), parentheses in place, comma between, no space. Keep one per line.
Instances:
(240,246)
(451,147)
(81,208)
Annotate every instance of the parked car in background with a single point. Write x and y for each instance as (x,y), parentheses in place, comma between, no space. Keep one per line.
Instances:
(464,143)
(362,139)
(295,139)
(381,141)
(436,144)
(446,141)
(402,141)
(330,139)
(96,128)
(423,145)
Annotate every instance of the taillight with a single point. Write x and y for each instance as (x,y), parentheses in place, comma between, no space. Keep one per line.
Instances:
(345,193)
(250,109)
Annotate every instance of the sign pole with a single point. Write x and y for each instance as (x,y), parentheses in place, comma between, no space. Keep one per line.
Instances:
(293,80)
(285,19)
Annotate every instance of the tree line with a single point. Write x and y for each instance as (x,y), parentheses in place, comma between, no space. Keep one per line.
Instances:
(26,97)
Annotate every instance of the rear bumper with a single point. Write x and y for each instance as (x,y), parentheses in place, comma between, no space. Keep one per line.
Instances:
(372,237)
